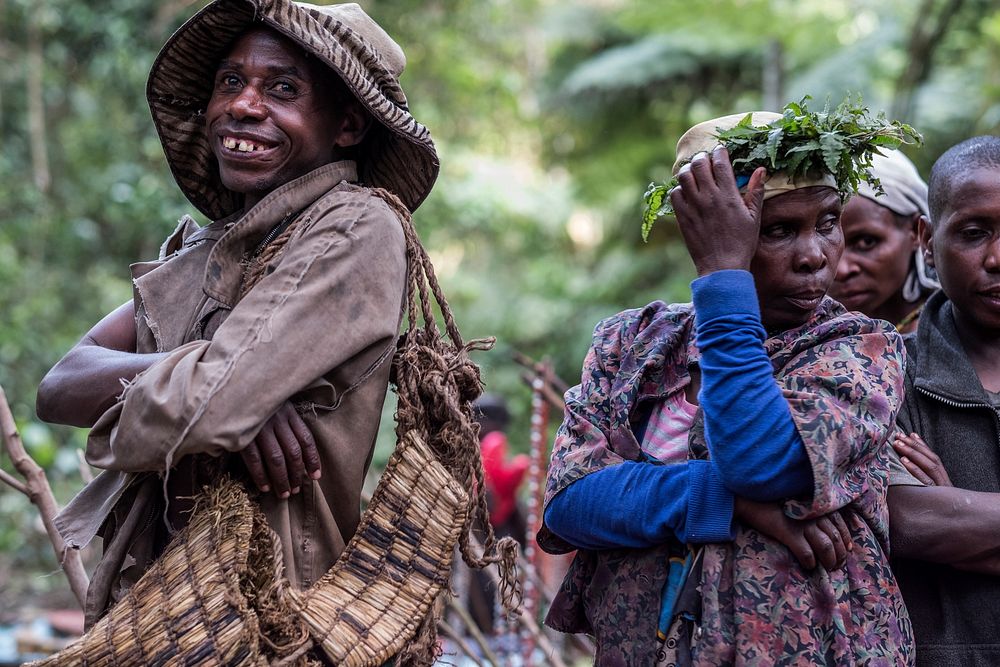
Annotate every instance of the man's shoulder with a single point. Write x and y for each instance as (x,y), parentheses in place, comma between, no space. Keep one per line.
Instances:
(358,218)
(349,204)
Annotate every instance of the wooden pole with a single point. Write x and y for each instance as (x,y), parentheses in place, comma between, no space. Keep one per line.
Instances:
(36,488)
(538,368)
(554,399)
(473,629)
(459,641)
(536,490)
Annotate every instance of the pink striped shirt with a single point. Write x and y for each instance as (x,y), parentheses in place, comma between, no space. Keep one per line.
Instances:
(666,436)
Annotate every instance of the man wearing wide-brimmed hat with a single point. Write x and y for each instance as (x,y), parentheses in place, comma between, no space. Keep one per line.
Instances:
(268,333)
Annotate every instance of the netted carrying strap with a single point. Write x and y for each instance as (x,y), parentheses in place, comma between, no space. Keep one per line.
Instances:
(436,384)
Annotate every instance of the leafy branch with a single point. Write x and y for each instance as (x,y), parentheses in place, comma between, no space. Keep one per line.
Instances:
(802,144)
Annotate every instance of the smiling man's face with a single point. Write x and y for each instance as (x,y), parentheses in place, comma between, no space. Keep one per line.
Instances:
(270,119)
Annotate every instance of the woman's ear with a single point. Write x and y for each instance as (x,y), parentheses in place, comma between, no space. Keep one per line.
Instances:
(926,235)
(914,230)
(354,124)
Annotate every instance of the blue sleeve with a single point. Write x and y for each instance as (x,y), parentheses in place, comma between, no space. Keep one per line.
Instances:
(748,425)
(640,505)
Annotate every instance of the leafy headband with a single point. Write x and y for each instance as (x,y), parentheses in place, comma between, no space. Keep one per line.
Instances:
(802,142)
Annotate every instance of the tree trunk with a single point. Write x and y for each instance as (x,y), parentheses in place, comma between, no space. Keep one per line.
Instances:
(36,109)
(928,30)
(773,77)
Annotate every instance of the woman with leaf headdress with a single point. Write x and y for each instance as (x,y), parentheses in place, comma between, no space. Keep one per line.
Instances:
(721,468)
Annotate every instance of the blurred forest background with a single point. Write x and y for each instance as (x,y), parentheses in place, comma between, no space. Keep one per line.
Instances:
(550,116)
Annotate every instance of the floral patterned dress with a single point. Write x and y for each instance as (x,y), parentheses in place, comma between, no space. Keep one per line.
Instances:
(841,374)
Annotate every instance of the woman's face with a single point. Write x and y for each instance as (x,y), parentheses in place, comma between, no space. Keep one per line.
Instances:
(797,253)
(877,255)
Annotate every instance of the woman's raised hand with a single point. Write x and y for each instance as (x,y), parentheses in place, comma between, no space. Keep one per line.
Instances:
(719,225)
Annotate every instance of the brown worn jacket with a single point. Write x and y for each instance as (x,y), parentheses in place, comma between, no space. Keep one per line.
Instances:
(319,329)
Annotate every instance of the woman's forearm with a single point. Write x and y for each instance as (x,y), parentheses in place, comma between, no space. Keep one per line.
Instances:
(640,505)
(748,424)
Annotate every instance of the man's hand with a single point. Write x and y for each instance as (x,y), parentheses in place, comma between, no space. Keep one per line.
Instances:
(283,455)
(825,540)
(920,460)
(720,227)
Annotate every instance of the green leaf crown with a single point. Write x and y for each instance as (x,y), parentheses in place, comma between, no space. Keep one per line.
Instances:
(802,143)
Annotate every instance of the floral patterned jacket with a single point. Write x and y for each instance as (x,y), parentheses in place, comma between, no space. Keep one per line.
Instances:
(842,376)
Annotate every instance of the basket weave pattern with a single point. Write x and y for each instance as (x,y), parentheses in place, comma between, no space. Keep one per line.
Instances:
(200,603)
(374,597)
(188,609)
(218,597)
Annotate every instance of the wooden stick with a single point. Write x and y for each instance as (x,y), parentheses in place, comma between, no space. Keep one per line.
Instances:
(551,654)
(551,395)
(470,623)
(37,489)
(458,639)
(539,368)
(14,482)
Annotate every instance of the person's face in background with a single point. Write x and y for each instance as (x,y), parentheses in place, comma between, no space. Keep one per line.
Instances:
(878,252)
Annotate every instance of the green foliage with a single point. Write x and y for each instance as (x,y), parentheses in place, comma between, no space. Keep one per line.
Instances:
(549,117)
(802,144)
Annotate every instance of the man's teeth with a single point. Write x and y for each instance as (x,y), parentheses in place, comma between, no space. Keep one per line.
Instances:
(241,145)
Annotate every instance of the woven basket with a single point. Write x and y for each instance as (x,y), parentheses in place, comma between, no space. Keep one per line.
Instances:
(218,597)
(200,603)
(379,591)
(188,608)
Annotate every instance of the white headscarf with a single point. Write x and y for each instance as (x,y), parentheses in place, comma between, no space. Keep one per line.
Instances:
(905,192)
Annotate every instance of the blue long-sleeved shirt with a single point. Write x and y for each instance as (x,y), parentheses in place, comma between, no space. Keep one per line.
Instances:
(756,450)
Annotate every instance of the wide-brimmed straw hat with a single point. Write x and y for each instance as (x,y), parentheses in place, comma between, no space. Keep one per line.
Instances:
(399,154)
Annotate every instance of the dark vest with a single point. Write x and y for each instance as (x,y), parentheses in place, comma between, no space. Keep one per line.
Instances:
(955,614)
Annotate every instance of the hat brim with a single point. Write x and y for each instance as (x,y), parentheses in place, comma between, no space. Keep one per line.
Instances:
(399,153)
